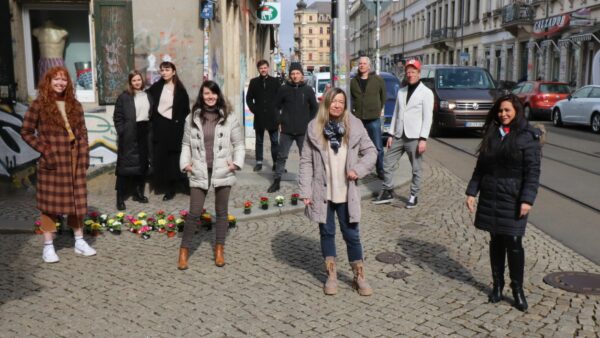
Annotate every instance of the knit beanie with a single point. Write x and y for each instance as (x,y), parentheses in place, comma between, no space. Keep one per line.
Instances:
(296,66)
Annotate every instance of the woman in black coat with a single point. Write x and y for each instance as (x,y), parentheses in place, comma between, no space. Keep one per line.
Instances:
(131,116)
(507,178)
(171,107)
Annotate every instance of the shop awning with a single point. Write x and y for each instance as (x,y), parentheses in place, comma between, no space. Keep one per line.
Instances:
(589,35)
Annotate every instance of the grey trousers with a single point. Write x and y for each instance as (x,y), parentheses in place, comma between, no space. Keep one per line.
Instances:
(285,143)
(197,198)
(392,157)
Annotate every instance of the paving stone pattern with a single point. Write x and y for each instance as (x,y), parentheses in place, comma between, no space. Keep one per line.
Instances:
(272,283)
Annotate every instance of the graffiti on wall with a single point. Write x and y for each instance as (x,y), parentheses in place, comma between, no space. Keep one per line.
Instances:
(18,160)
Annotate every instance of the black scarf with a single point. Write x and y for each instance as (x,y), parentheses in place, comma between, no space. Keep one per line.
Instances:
(334,131)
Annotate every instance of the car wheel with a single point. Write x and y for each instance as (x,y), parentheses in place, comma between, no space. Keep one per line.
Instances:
(527,112)
(596,123)
(556,118)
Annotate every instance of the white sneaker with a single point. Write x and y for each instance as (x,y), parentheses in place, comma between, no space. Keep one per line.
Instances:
(49,255)
(82,248)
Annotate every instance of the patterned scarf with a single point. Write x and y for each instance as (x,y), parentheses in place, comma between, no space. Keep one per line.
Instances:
(334,131)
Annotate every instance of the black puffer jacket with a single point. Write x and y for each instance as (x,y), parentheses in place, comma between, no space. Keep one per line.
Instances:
(131,160)
(298,105)
(503,184)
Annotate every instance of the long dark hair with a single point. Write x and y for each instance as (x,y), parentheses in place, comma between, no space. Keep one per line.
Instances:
(508,148)
(176,82)
(221,103)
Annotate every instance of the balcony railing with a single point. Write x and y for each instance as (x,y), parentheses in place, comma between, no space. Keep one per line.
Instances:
(442,34)
(517,14)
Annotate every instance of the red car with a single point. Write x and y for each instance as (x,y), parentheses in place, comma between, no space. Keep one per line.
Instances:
(538,97)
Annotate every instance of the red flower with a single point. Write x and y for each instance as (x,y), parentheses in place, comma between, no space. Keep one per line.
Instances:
(160,212)
(264,199)
(247,204)
(93,214)
(171,218)
(295,195)
(183,213)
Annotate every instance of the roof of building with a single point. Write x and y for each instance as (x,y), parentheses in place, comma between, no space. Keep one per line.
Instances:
(321,6)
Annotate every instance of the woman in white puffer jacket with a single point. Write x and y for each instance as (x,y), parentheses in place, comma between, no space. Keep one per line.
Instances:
(212,150)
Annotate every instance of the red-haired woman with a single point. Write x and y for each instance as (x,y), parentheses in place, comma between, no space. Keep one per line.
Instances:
(54,126)
(132,112)
(171,107)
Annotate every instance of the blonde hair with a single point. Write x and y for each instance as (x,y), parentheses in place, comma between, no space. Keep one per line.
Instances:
(323,114)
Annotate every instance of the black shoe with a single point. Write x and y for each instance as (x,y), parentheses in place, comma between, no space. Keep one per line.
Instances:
(275,186)
(138,196)
(386,196)
(120,204)
(496,295)
(258,167)
(168,196)
(519,297)
(413,204)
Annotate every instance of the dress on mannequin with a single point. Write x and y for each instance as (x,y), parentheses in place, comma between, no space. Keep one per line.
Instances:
(51,39)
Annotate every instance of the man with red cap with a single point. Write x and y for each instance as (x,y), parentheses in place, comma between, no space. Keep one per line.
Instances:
(409,130)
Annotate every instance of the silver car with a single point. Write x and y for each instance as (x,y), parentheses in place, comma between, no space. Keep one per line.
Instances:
(581,107)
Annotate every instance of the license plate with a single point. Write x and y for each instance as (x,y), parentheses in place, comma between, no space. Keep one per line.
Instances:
(473,124)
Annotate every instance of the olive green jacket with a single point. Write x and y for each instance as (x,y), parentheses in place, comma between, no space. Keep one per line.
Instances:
(368,105)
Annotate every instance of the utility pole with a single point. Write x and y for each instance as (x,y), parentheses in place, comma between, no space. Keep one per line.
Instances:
(377,61)
(332,49)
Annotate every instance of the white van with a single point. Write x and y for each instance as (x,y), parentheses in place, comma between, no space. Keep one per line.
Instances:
(319,83)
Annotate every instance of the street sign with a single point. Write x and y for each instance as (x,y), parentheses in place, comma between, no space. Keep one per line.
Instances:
(268,13)
(464,57)
(370,4)
(207,10)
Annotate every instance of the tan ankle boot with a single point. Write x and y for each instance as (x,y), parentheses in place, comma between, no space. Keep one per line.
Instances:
(183,259)
(330,287)
(219,258)
(359,283)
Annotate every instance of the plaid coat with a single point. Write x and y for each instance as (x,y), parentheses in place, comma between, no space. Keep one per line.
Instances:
(60,189)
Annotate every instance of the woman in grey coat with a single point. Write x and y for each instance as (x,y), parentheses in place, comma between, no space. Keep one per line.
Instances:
(212,150)
(336,153)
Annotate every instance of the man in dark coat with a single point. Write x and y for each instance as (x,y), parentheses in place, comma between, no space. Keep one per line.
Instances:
(261,92)
(298,106)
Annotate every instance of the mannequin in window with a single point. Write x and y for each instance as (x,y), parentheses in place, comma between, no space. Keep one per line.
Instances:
(51,39)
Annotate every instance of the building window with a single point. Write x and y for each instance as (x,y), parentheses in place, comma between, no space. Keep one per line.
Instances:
(321,57)
(309,56)
(328,41)
(320,30)
(310,18)
(310,43)
(328,30)
(467,11)
(320,43)
(310,31)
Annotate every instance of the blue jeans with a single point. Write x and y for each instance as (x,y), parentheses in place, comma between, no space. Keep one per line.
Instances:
(373,128)
(260,137)
(350,232)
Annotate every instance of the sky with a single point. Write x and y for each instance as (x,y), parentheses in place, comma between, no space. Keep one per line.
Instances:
(286,29)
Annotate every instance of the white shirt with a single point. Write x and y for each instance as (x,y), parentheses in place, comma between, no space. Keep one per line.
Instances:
(335,167)
(142,106)
(165,105)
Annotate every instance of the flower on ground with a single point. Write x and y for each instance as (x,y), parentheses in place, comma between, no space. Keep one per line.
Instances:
(279,199)
(247,205)
(183,213)
(141,215)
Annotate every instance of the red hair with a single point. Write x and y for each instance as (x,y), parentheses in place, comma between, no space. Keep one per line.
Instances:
(47,98)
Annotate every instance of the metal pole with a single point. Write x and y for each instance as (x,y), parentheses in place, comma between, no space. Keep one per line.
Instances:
(462,30)
(377,61)
(334,19)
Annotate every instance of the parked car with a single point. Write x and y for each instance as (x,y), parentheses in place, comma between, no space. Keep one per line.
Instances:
(582,107)
(392,85)
(505,86)
(538,97)
(319,82)
(463,96)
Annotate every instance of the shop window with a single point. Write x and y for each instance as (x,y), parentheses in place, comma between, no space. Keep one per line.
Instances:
(59,35)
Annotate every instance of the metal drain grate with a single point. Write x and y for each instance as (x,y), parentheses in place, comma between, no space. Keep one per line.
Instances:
(390,258)
(397,274)
(574,281)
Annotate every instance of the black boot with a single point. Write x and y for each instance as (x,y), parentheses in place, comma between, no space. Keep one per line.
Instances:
(138,196)
(120,201)
(497,256)
(275,186)
(516,267)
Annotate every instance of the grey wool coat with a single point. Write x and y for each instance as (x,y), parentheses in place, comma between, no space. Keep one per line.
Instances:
(361,158)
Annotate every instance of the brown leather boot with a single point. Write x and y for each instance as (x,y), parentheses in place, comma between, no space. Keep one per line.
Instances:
(359,283)
(183,258)
(219,258)
(331,284)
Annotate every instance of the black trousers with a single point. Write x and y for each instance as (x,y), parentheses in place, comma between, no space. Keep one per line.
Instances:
(511,247)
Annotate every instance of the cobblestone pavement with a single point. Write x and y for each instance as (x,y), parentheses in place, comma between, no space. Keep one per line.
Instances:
(271,285)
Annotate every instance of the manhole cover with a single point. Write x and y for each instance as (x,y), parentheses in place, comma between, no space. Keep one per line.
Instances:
(397,274)
(573,281)
(390,258)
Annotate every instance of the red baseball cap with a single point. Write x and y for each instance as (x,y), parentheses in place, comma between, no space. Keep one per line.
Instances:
(414,63)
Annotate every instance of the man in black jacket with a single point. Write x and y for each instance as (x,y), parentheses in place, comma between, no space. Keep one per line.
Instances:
(298,106)
(261,91)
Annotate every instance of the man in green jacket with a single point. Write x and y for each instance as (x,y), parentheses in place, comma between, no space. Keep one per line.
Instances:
(368,98)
